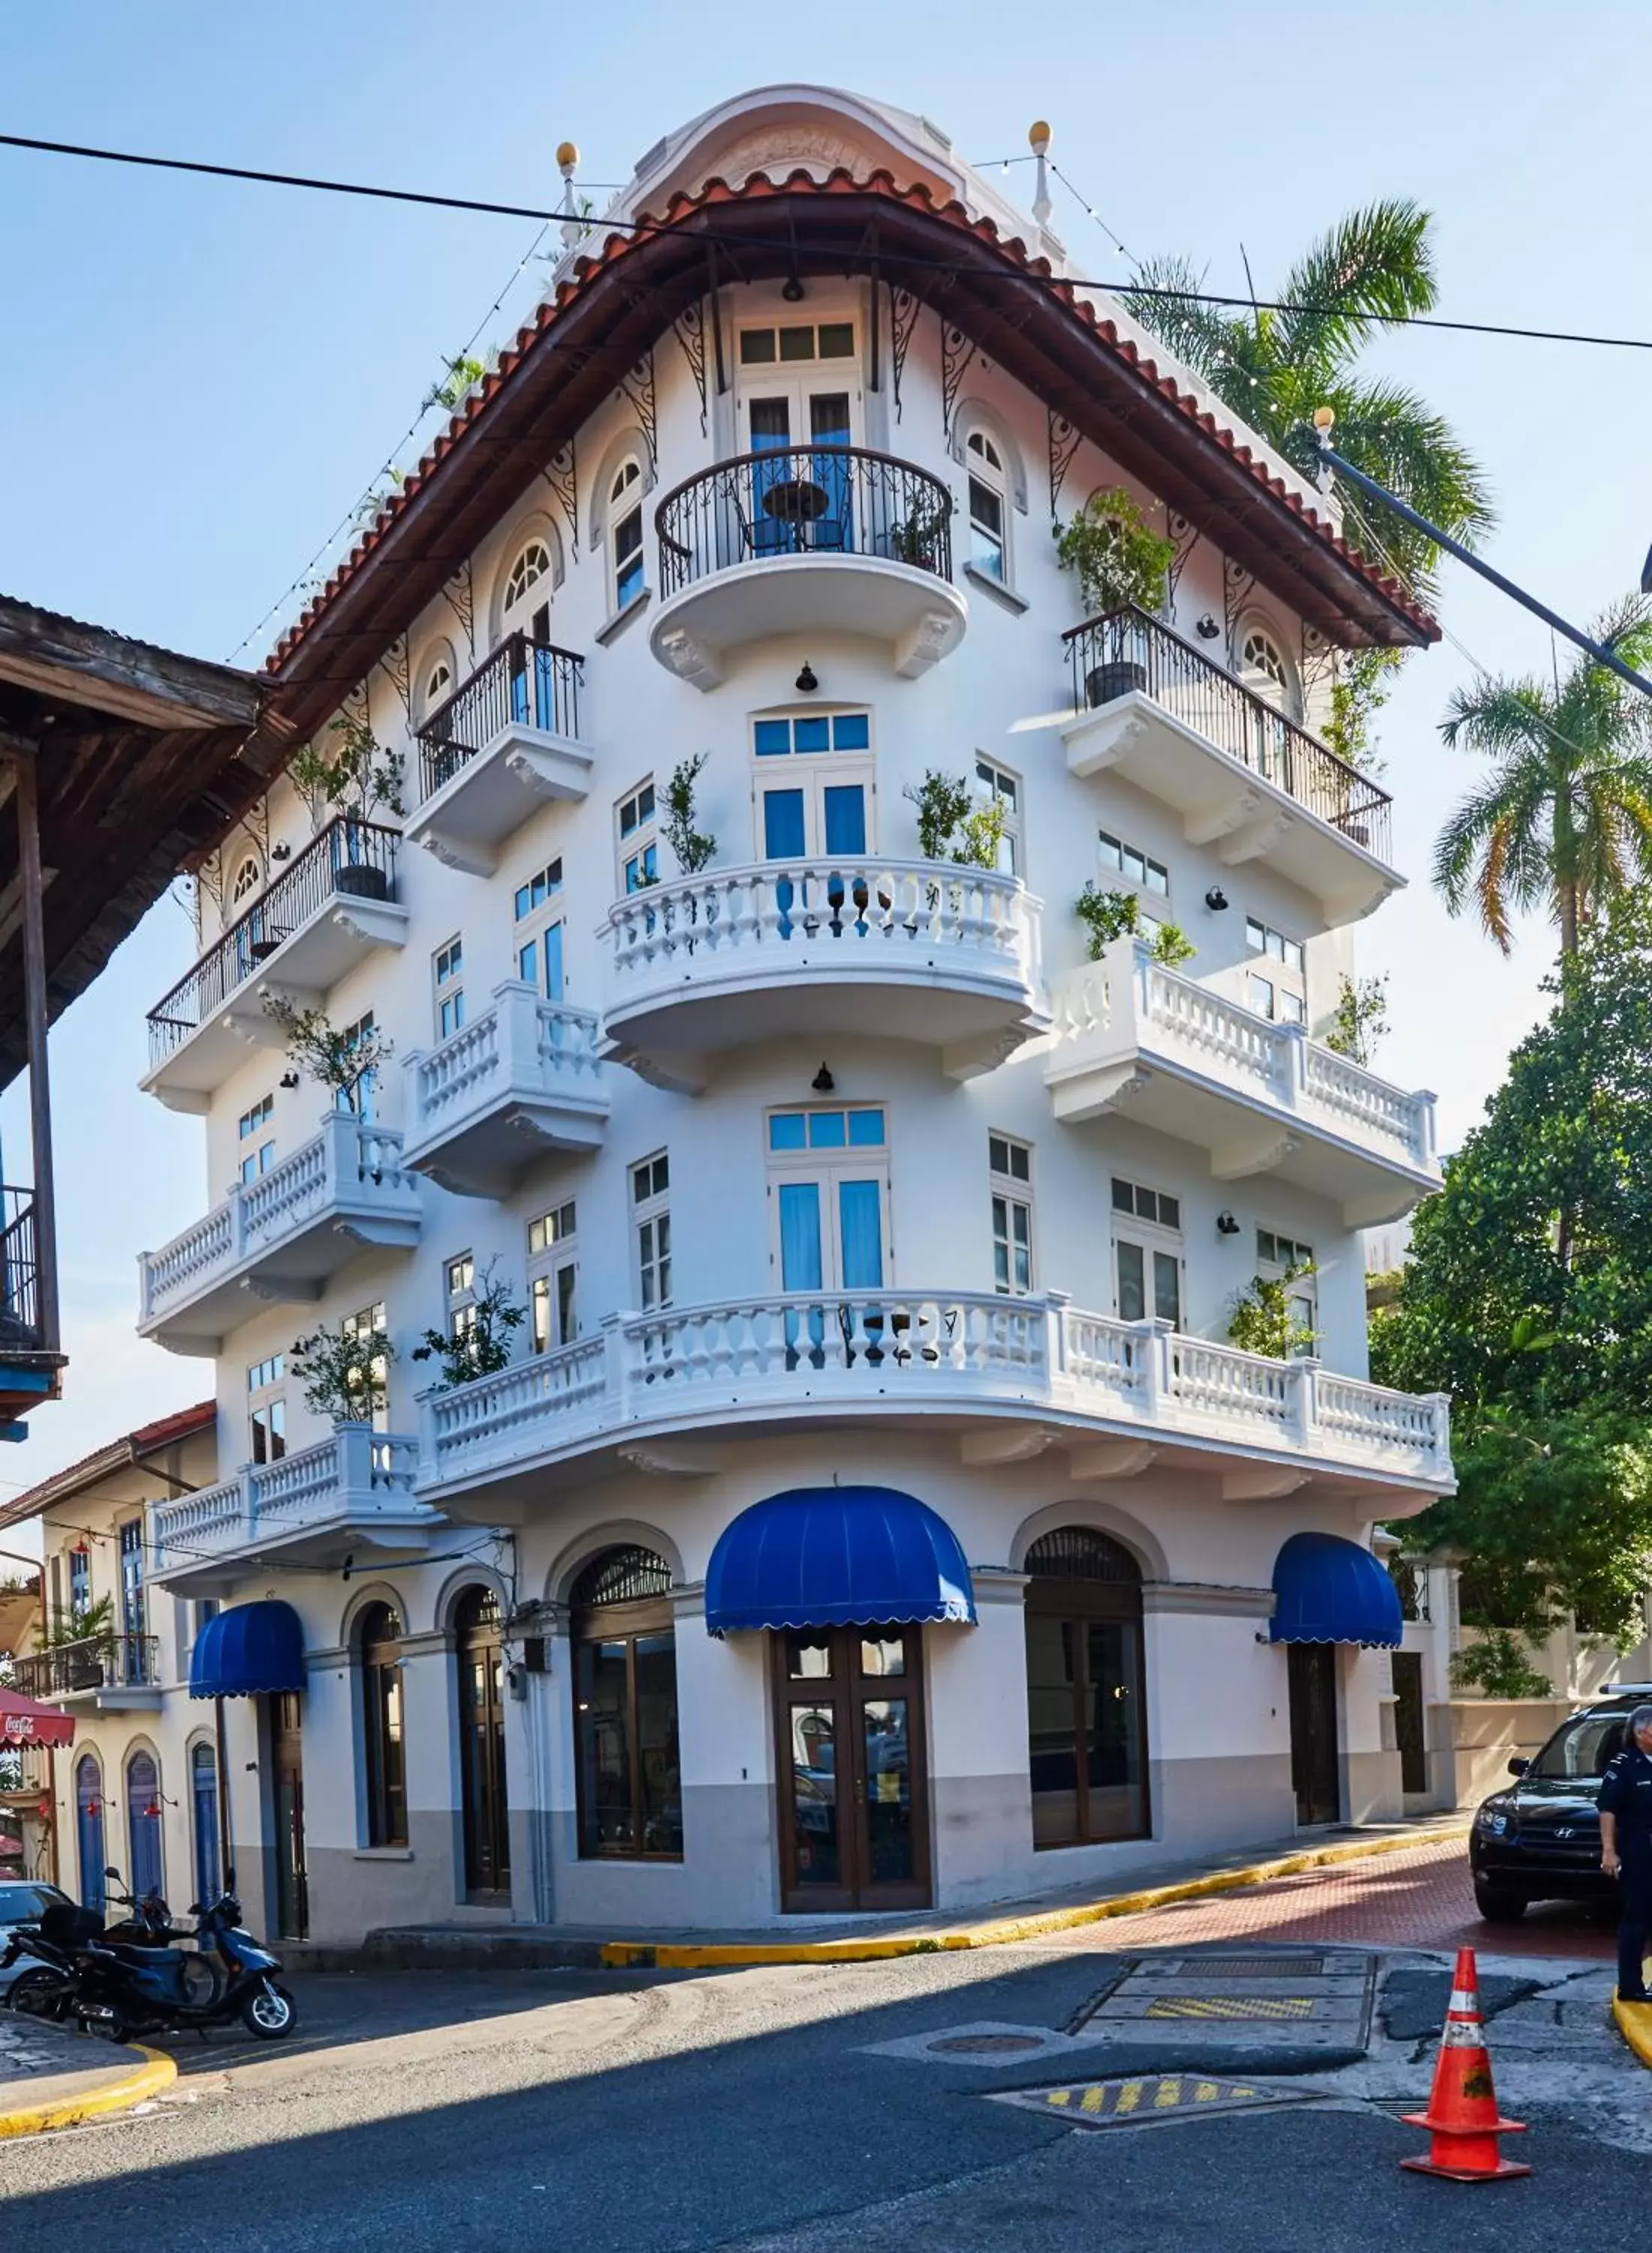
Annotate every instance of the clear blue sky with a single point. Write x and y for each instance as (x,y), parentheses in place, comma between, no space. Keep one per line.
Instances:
(201,377)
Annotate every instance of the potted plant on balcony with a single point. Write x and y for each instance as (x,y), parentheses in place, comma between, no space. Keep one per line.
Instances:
(345,1064)
(483,1346)
(916,538)
(346,1377)
(1111,916)
(1122,564)
(360,777)
(694,848)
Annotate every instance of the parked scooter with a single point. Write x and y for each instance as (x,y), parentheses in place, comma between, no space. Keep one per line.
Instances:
(126,1988)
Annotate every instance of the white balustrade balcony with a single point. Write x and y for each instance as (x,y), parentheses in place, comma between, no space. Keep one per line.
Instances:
(522,1078)
(1132,1037)
(916,950)
(352,1493)
(1009,1376)
(282,1237)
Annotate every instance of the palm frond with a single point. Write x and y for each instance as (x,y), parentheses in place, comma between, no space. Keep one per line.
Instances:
(1375,265)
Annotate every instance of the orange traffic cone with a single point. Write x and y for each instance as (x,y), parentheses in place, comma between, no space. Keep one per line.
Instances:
(1462,2108)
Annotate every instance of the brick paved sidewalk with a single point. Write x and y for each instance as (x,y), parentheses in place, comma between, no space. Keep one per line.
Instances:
(1415,1897)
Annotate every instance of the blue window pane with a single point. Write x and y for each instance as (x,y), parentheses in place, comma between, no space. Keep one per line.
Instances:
(770,737)
(782,824)
(799,1235)
(845,818)
(787,1130)
(527,962)
(554,963)
(825,1130)
(852,731)
(521,902)
(866,1130)
(811,734)
(860,1217)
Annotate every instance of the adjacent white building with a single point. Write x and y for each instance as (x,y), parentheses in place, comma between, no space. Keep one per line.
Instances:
(872,1511)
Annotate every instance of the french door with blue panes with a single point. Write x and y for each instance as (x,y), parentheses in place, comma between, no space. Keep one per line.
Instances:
(829,1190)
(134,1623)
(798,408)
(814,794)
(538,931)
(534,679)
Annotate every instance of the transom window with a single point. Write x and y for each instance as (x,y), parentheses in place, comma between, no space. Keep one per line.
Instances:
(651,1215)
(539,931)
(825,1130)
(529,566)
(796,341)
(1146,1204)
(248,877)
(985,468)
(638,816)
(256,1141)
(552,1275)
(625,516)
(798,734)
(448,972)
(1010,1165)
(438,685)
(1275,1250)
(996,786)
(1147,1235)
(1119,858)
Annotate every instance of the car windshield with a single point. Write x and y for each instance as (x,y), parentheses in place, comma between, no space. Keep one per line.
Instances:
(18,1903)
(1582,1746)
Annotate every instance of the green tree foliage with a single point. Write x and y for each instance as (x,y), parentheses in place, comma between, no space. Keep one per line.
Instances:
(1529,1298)
(952,826)
(1260,1320)
(1564,822)
(1359,1020)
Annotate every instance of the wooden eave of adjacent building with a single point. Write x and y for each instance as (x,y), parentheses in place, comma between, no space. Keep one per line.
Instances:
(621,303)
(142,760)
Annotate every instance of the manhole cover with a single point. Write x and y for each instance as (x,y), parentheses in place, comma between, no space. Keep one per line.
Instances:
(1148,2101)
(985,2045)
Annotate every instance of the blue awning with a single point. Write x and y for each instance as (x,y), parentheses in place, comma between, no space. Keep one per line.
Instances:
(832,1556)
(1330,1590)
(248,1649)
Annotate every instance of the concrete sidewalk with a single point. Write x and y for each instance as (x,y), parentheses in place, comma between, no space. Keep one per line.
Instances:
(863,1939)
(50,2078)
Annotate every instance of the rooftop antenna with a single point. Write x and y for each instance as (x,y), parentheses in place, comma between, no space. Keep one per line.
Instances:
(568,163)
(1038,141)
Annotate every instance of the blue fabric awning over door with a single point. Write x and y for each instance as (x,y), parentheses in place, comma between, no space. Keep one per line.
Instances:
(248,1649)
(831,1556)
(1330,1590)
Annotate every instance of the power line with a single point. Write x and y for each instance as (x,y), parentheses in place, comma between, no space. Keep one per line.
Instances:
(590,223)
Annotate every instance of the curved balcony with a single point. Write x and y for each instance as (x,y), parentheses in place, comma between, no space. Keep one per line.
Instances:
(1009,1377)
(505,743)
(817,539)
(900,950)
(522,1078)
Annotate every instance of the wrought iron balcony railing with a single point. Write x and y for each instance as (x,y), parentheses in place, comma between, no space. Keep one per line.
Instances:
(804,500)
(531,684)
(22,1329)
(101,1662)
(1128,649)
(354,858)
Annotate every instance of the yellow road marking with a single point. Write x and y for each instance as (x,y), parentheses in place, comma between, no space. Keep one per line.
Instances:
(1231,2006)
(1206,2093)
(1129,2096)
(1169,2093)
(1060,2096)
(1094,2100)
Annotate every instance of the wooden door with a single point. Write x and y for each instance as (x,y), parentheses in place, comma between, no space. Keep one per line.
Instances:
(1408,1720)
(487,1838)
(287,1770)
(1314,1767)
(852,1783)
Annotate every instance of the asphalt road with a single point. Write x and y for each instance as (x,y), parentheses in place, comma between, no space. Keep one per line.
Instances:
(764,2108)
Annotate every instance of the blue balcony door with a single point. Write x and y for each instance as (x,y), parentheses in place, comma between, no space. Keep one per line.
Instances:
(799,500)
(134,1623)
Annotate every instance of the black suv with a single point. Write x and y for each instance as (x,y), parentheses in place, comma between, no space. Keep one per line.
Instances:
(1541,1839)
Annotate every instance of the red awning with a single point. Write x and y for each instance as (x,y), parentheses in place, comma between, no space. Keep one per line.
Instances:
(24,1722)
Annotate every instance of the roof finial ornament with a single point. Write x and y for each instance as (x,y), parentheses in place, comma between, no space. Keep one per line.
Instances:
(1038,141)
(568,163)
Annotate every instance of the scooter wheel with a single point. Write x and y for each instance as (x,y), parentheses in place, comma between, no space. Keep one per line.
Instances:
(270,2013)
(39,1994)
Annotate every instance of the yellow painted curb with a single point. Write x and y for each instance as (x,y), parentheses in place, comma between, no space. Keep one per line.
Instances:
(998,1932)
(157,2072)
(1635,2024)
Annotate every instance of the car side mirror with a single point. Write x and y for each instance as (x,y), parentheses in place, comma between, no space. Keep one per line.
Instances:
(1518,1767)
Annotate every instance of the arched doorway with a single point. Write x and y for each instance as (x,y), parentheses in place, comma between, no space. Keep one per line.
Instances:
(89,1830)
(481,1683)
(143,1824)
(203,1791)
(628,1767)
(1086,1704)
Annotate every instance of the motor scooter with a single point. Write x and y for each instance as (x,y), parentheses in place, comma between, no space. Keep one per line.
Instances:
(124,1988)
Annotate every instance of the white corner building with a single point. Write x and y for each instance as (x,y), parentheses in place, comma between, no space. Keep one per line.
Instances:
(873,1514)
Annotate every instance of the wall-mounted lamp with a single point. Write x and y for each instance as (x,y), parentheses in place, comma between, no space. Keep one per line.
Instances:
(823,1083)
(282,851)
(289,1080)
(1226,1224)
(1207,628)
(1216,899)
(807,684)
(792,290)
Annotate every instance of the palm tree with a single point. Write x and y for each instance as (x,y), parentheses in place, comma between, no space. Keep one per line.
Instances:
(1564,821)
(1373,268)
(1274,368)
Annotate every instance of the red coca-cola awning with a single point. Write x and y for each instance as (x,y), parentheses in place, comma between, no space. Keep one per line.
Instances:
(23,1721)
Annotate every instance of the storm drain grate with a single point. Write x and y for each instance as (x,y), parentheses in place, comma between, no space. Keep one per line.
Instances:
(1250,1967)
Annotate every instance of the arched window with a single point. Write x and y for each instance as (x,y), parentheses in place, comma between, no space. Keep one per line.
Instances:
(628,1770)
(988,511)
(478,1647)
(1087,1733)
(438,686)
(88,1832)
(143,1824)
(203,1794)
(1264,667)
(384,1752)
(531,565)
(250,875)
(625,531)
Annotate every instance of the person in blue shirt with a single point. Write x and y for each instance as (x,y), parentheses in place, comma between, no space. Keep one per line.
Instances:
(1626,1849)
